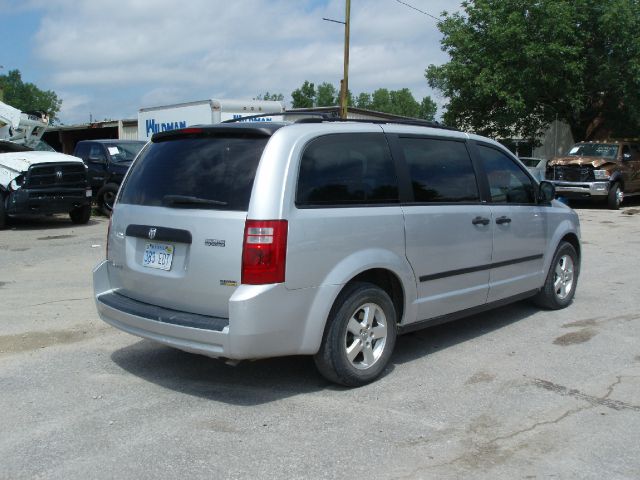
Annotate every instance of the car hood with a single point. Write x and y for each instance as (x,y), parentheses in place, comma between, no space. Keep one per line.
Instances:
(21,161)
(578,160)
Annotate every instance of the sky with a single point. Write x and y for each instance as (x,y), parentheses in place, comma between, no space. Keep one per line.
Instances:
(108,58)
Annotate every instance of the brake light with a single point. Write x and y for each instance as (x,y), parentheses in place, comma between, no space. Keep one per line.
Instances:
(264,251)
(189,131)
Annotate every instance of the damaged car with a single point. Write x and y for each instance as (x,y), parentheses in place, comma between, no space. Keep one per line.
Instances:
(39,183)
(36,182)
(604,171)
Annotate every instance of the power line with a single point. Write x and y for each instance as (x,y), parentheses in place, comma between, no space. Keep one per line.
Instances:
(418,10)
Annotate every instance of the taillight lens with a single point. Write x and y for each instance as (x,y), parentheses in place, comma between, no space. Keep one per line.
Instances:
(264,251)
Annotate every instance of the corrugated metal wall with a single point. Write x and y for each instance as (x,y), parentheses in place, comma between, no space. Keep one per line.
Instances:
(557,140)
(127,130)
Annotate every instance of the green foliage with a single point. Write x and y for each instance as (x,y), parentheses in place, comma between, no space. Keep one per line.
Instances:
(517,65)
(364,101)
(276,97)
(327,95)
(397,102)
(305,96)
(27,97)
(428,109)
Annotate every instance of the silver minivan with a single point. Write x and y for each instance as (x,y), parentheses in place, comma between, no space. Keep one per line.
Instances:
(326,238)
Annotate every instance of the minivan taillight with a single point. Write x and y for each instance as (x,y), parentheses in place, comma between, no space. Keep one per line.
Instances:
(264,251)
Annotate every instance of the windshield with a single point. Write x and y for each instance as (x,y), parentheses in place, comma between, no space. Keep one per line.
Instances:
(43,146)
(124,152)
(203,173)
(594,150)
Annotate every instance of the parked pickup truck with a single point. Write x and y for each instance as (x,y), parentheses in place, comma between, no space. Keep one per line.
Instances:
(603,170)
(37,182)
(108,162)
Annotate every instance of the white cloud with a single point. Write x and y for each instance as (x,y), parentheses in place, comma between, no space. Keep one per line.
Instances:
(166,51)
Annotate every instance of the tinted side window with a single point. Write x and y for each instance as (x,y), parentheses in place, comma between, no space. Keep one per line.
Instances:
(441,170)
(347,169)
(82,150)
(205,173)
(507,182)
(96,151)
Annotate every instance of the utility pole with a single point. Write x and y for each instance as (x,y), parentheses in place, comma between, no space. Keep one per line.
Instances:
(344,83)
(345,78)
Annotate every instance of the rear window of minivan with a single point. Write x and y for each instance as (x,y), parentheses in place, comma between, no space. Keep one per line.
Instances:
(201,172)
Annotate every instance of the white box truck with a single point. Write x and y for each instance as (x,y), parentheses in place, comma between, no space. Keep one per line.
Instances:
(180,115)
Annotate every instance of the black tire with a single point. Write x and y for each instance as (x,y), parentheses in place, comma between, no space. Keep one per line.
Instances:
(4,220)
(106,197)
(371,355)
(560,285)
(80,215)
(615,197)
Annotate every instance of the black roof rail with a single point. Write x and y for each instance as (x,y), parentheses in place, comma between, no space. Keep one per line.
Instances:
(319,117)
(323,116)
(416,122)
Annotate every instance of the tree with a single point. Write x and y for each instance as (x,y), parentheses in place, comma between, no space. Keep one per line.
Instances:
(397,102)
(305,96)
(327,95)
(428,109)
(277,97)
(364,101)
(27,97)
(516,66)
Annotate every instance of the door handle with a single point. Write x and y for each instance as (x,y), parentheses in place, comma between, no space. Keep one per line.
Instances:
(480,221)
(501,220)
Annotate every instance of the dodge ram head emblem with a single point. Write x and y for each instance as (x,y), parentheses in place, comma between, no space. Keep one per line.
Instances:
(152,233)
(59,175)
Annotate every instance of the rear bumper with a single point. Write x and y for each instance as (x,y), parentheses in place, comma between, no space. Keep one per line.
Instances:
(264,321)
(44,201)
(581,189)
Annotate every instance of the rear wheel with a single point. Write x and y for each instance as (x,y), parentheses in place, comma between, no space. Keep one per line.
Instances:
(106,197)
(560,285)
(80,215)
(359,337)
(3,213)
(615,197)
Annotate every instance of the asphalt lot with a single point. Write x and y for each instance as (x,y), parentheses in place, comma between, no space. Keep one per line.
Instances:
(516,393)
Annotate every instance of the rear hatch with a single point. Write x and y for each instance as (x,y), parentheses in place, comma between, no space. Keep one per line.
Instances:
(177,228)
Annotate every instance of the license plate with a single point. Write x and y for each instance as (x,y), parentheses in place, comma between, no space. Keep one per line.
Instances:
(158,255)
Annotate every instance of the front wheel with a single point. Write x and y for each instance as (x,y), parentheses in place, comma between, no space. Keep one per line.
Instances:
(106,197)
(80,215)
(359,337)
(562,279)
(615,197)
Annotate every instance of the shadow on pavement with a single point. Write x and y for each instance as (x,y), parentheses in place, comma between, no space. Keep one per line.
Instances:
(420,343)
(629,202)
(254,383)
(46,222)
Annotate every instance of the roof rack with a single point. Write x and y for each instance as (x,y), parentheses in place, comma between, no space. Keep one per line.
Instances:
(323,116)
(318,117)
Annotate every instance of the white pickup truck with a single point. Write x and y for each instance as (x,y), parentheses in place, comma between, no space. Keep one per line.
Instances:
(38,182)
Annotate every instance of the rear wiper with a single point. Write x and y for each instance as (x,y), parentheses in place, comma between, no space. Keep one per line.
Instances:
(186,200)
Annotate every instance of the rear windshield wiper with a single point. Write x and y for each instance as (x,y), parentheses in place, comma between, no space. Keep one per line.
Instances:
(186,201)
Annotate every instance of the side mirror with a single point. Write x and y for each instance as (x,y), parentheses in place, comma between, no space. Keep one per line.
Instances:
(100,159)
(626,156)
(546,192)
